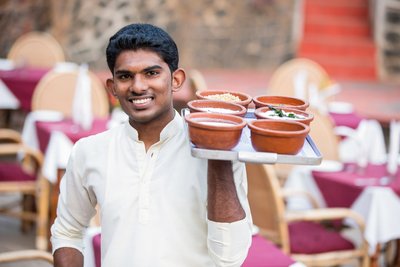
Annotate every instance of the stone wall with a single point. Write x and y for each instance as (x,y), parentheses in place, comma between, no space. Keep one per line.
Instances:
(209,33)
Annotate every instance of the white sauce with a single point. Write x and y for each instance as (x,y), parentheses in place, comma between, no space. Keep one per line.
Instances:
(219,110)
(273,115)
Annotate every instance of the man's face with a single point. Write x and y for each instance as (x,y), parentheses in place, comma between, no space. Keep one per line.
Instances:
(143,84)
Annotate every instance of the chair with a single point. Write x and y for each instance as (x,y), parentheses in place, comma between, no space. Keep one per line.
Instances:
(322,132)
(55,91)
(37,49)
(299,233)
(282,81)
(26,255)
(20,172)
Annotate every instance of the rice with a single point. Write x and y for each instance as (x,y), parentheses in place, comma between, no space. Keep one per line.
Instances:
(224,97)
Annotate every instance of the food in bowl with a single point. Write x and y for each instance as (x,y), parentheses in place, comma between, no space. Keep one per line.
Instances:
(276,113)
(214,131)
(280,101)
(214,106)
(228,96)
(278,136)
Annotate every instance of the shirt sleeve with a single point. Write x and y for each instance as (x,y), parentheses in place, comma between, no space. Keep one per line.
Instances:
(76,206)
(228,243)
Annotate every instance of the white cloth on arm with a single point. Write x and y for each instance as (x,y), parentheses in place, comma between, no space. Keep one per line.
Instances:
(153,204)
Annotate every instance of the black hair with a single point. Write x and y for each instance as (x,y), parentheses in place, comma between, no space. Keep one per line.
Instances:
(143,36)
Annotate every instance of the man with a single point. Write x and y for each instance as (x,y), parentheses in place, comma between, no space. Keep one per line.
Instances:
(159,205)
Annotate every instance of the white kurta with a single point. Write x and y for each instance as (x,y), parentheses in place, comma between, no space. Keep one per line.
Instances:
(152,204)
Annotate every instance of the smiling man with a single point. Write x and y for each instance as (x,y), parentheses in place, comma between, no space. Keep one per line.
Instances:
(159,205)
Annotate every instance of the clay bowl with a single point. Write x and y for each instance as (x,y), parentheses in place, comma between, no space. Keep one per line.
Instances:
(227,96)
(280,101)
(282,137)
(214,131)
(214,106)
(287,114)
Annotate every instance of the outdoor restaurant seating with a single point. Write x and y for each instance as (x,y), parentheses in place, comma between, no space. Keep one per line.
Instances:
(20,172)
(57,89)
(300,233)
(36,49)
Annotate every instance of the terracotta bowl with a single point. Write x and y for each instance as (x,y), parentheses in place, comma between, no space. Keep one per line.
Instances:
(282,137)
(280,101)
(214,131)
(287,113)
(214,106)
(227,96)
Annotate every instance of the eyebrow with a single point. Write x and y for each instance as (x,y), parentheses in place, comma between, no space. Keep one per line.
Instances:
(150,68)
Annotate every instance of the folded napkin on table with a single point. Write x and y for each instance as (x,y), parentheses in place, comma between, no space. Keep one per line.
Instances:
(29,134)
(82,102)
(299,82)
(7,99)
(364,145)
(318,98)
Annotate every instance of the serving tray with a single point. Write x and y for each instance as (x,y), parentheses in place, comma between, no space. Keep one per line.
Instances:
(244,151)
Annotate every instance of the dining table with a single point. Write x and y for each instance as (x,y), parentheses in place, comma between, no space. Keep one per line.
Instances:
(370,191)
(21,82)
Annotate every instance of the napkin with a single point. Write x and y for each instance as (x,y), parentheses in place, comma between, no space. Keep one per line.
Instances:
(364,145)
(299,82)
(394,147)
(29,134)
(82,102)
(318,98)
(7,99)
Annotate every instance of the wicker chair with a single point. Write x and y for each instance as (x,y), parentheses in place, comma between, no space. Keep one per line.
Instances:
(299,233)
(36,49)
(26,255)
(55,91)
(20,172)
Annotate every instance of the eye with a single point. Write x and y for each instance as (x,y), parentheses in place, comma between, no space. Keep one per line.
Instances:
(151,73)
(124,76)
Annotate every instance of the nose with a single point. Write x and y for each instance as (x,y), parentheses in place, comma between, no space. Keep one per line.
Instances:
(138,85)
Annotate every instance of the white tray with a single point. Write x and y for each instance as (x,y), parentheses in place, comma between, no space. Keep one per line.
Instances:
(244,151)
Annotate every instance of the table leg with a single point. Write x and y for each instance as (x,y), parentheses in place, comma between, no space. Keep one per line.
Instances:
(396,261)
(375,258)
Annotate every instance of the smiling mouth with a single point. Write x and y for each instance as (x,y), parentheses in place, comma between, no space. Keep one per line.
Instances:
(141,101)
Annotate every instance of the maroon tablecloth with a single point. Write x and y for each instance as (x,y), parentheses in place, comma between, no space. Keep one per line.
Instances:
(73,132)
(341,189)
(262,253)
(351,120)
(22,83)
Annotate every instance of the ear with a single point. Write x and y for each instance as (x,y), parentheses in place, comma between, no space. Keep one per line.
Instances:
(178,78)
(110,87)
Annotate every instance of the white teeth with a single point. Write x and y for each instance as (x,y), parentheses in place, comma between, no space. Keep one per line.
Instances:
(141,101)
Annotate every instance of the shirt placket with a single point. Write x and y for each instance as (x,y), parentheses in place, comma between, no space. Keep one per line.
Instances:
(144,192)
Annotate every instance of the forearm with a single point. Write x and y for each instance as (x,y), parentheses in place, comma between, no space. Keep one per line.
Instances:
(68,257)
(223,202)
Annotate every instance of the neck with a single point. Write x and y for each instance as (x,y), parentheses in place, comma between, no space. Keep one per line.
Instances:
(149,133)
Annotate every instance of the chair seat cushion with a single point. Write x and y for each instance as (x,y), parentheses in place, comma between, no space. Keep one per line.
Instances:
(311,238)
(12,172)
